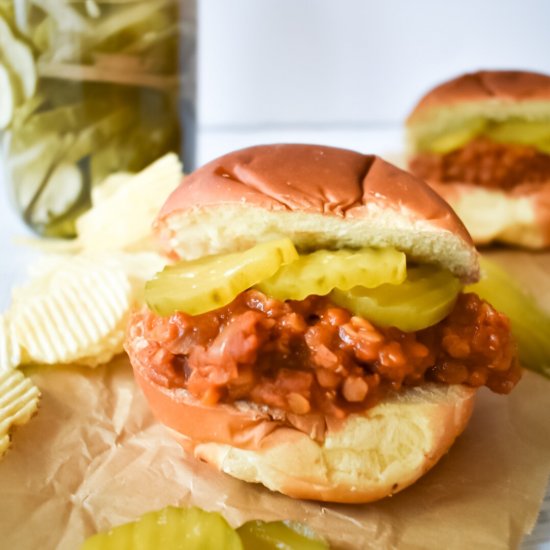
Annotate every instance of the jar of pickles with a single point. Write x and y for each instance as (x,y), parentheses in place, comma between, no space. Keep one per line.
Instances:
(88,88)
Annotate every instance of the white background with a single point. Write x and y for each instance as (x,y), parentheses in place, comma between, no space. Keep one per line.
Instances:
(314,70)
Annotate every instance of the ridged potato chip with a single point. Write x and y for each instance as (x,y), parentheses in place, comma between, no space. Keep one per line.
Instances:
(10,352)
(109,186)
(138,266)
(18,402)
(106,348)
(59,317)
(75,310)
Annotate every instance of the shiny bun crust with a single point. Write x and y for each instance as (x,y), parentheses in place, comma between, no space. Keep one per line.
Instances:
(360,459)
(320,197)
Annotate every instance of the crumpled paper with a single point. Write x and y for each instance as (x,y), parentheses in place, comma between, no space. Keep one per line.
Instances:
(95,457)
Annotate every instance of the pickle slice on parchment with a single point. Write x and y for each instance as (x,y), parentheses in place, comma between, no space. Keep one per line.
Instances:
(170,529)
(195,529)
(279,535)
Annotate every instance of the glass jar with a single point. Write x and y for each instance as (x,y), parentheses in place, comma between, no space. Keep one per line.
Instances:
(88,88)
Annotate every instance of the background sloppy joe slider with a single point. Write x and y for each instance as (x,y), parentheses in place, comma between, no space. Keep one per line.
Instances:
(314,336)
(482,140)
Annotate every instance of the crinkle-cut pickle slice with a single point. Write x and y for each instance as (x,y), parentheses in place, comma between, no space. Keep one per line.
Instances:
(214,281)
(169,529)
(426,297)
(322,271)
(279,535)
(530,325)
(520,131)
(452,140)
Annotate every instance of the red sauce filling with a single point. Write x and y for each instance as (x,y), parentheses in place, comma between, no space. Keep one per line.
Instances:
(486,163)
(312,356)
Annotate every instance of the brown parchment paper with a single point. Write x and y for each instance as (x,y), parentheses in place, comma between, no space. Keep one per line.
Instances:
(94,457)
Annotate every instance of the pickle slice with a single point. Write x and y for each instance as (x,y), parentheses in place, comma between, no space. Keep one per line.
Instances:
(209,283)
(455,138)
(279,535)
(7,97)
(324,270)
(169,529)
(523,132)
(63,200)
(28,168)
(18,58)
(422,300)
(60,120)
(92,136)
(530,325)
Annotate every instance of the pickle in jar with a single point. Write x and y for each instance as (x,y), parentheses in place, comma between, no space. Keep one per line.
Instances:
(17,56)
(321,271)
(108,79)
(17,73)
(426,297)
(7,97)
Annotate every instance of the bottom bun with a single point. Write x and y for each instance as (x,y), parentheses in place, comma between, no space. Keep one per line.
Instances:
(519,217)
(369,457)
(363,458)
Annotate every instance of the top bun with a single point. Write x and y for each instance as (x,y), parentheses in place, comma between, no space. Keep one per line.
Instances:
(320,197)
(504,87)
(495,95)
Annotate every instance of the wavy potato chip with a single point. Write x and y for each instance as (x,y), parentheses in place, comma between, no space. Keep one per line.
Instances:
(104,350)
(109,186)
(74,311)
(18,402)
(75,308)
(138,266)
(10,351)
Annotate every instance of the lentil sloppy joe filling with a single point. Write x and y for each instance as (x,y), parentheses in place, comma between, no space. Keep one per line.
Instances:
(485,163)
(312,356)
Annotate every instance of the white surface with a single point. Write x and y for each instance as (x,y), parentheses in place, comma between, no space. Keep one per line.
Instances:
(385,140)
(286,62)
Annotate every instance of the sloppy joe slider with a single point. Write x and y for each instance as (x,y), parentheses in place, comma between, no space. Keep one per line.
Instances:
(314,336)
(482,140)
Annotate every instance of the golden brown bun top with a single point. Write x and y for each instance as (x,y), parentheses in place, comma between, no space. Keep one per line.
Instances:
(512,86)
(313,179)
